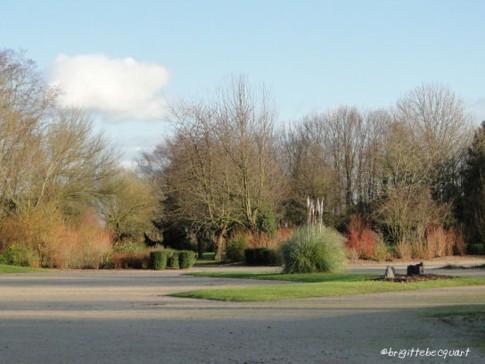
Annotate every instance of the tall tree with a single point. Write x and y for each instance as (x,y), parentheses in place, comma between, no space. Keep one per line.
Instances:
(474,188)
(220,168)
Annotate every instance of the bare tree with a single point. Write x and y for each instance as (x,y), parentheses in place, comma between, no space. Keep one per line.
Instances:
(438,122)
(219,170)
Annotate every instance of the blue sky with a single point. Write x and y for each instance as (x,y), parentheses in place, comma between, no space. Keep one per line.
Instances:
(312,55)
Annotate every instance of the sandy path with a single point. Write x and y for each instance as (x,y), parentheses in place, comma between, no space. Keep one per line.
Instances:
(124,317)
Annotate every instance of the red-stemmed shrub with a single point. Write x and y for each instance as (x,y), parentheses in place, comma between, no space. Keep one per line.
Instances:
(361,240)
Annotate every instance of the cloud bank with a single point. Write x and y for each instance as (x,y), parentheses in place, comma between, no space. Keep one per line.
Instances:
(124,89)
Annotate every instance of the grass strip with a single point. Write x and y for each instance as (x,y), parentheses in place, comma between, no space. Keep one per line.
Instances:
(321,289)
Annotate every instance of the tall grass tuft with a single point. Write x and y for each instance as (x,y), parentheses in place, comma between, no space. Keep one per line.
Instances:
(314,248)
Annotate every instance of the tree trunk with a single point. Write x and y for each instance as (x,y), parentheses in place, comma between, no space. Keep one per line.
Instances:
(220,244)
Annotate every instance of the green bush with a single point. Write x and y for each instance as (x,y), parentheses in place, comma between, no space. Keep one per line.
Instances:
(235,249)
(477,249)
(187,259)
(18,255)
(314,249)
(173,260)
(159,259)
(262,256)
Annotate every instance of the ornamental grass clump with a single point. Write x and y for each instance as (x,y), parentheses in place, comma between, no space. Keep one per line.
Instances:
(314,248)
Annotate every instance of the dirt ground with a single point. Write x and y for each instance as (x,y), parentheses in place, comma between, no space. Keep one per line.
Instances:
(126,317)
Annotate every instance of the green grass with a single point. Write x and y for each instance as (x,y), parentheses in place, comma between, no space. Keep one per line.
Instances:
(300,277)
(207,258)
(4,268)
(321,289)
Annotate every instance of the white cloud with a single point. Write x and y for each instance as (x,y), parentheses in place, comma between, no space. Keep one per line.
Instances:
(123,88)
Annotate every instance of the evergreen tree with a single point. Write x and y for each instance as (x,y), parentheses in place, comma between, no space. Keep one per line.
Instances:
(474,189)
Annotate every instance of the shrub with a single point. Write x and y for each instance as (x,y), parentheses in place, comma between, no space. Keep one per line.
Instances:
(130,260)
(82,245)
(271,257)
(265,240)
(381,251)
(159,259)
(314,249)
(361,238)
(235,249)
(438,242)
(352,254)
(18,255)
(81,242)
(30,226)
(250,255)
(477,249)
(187,259)
(262,256)
(459,247)
(173,260)
(403,250)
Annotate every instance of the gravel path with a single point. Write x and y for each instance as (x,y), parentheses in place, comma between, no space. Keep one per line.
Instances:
(125,317)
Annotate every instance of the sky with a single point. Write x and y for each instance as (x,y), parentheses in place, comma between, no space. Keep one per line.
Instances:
(128,60)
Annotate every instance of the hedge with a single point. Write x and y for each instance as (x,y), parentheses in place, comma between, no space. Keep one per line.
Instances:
(173,260)
(159,259)
(477,249)
(187,259)
(262,256)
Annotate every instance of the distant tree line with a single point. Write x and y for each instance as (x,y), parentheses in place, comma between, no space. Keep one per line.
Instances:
(411,174)
(405,171)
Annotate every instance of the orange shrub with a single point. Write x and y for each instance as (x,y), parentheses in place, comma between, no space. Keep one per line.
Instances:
(438,243)
(442,242)
(130,260)
(29,227)
(360,238)
(84,243)
(459,247)
(263,240)
(404,250)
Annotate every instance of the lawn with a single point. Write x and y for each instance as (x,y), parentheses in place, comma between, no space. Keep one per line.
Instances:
(4,268)
(207,258)
(323,288)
